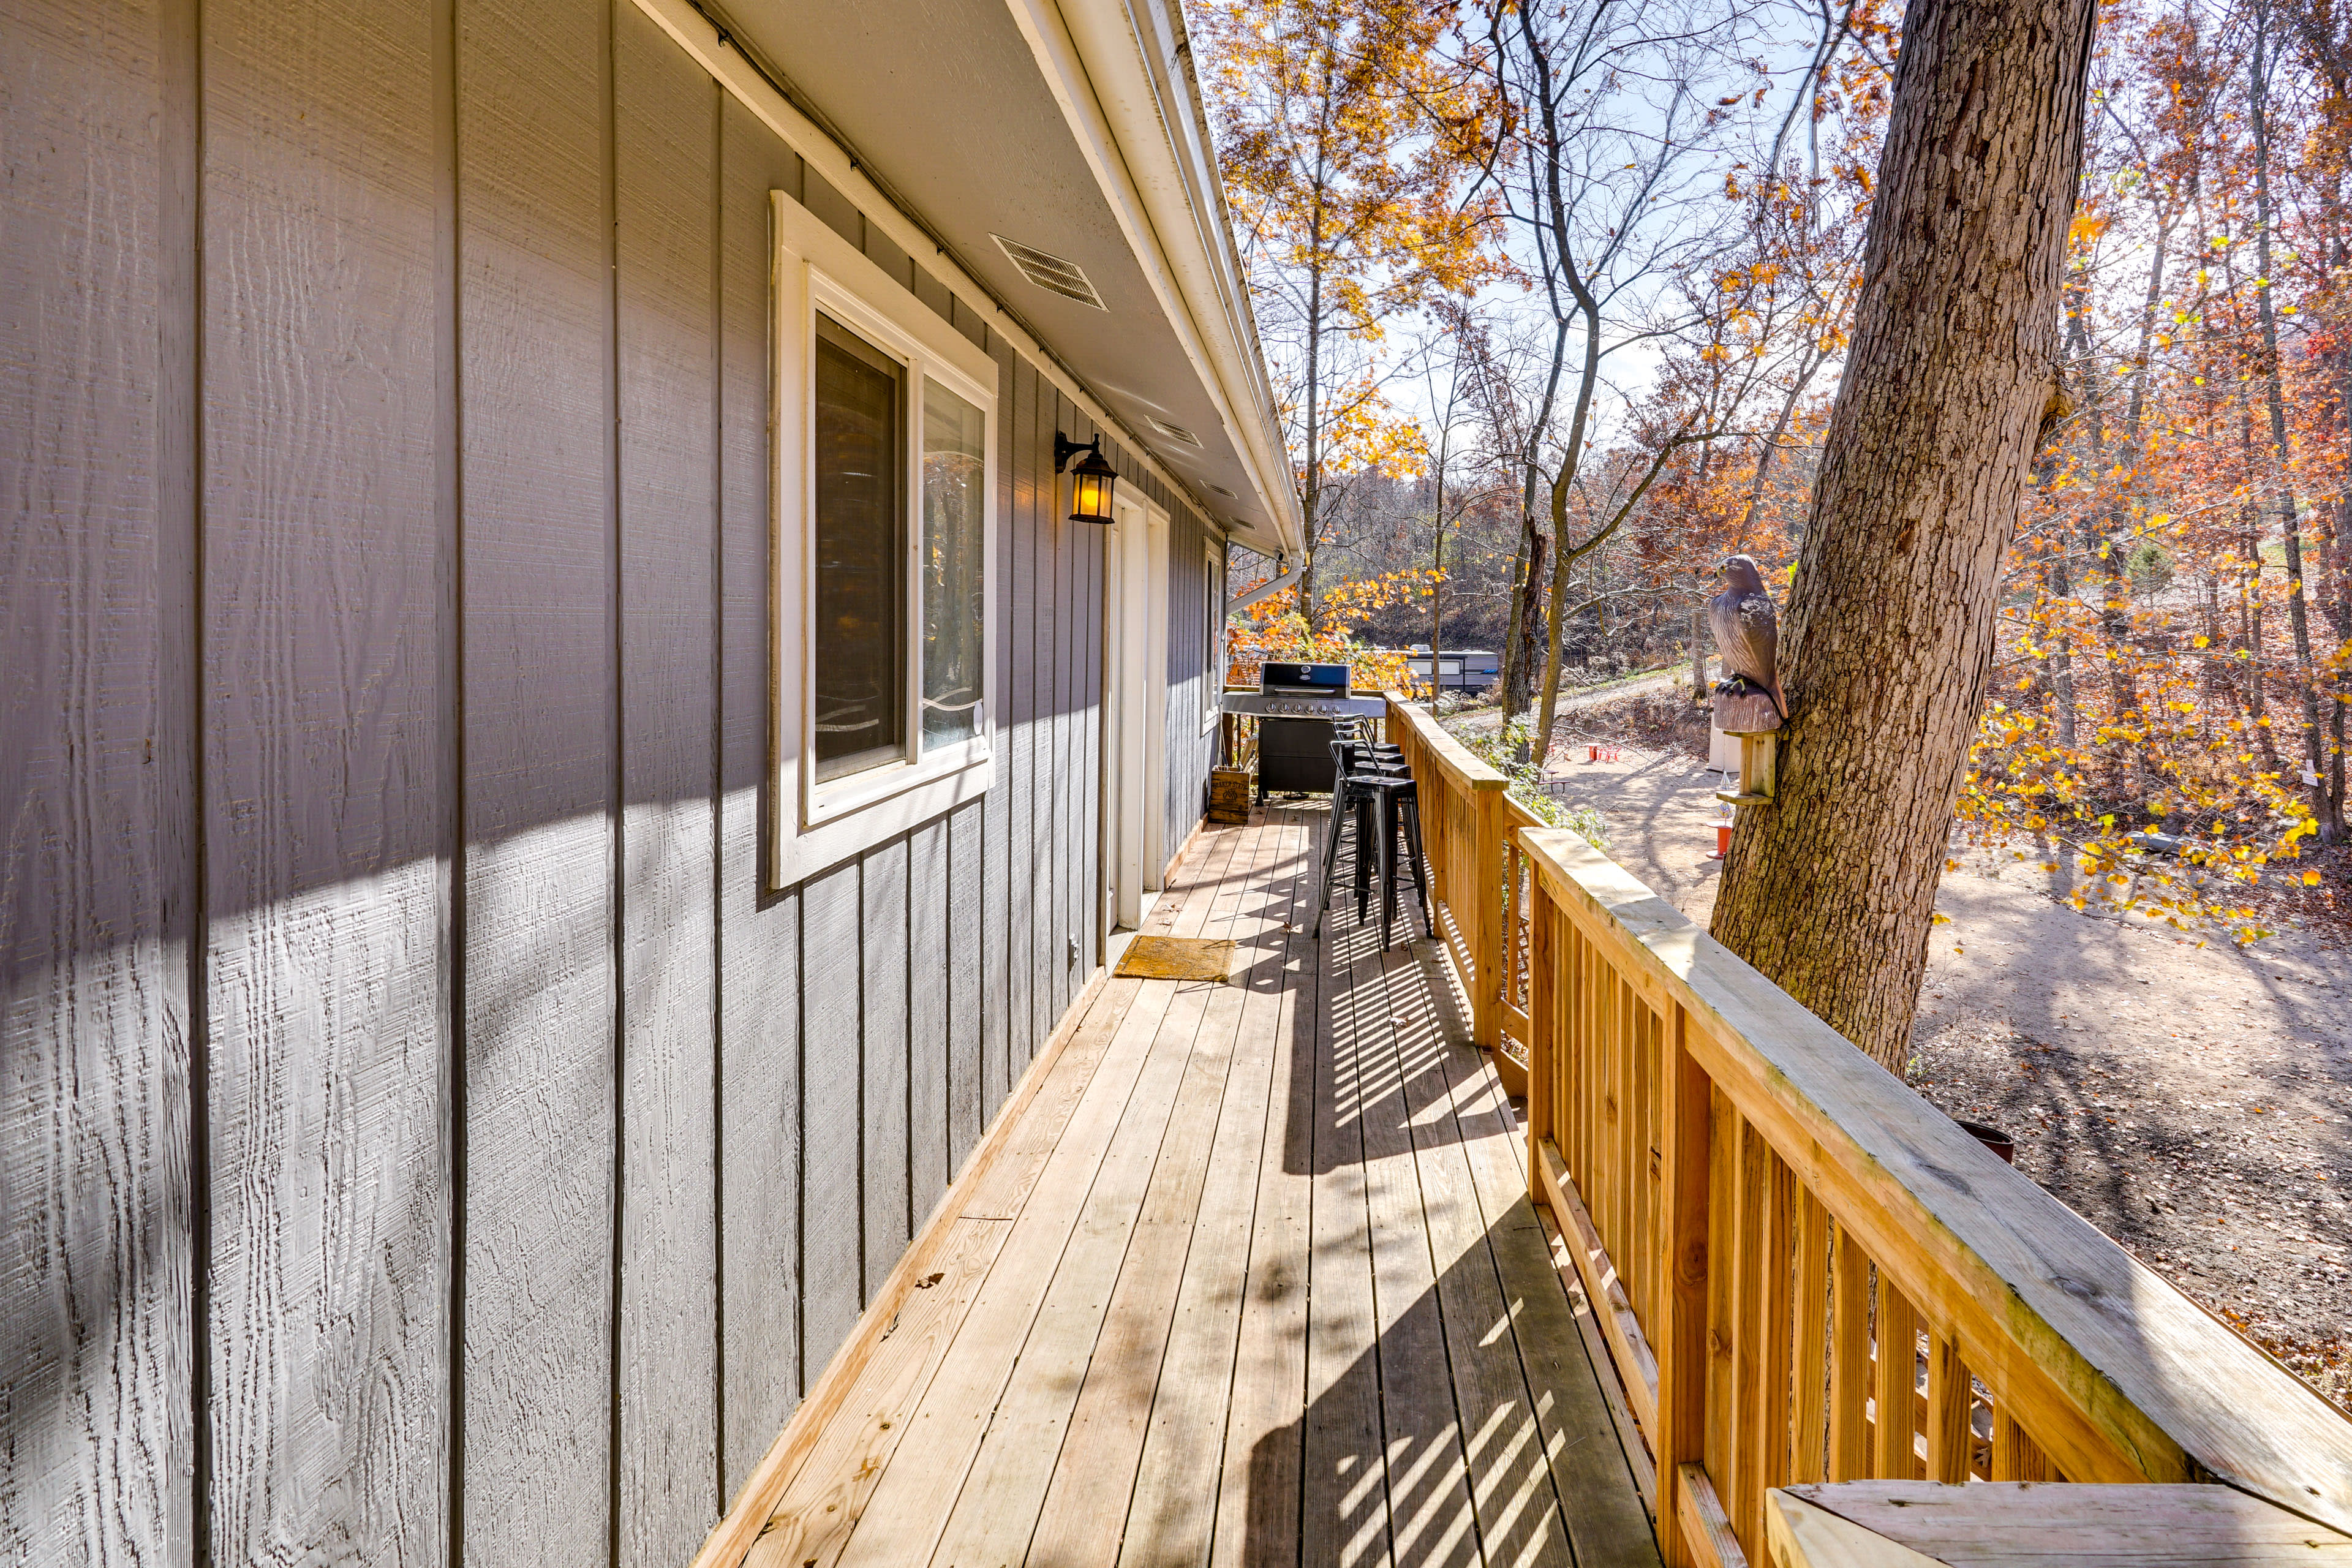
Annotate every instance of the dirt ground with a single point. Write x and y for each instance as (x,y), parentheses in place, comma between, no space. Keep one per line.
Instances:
(2190,1097)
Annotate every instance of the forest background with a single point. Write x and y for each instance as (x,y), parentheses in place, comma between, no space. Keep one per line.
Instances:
(1555,298)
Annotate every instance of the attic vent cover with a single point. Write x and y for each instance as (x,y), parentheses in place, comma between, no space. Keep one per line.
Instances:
(1050,272)
(1174,432)
(1220,489)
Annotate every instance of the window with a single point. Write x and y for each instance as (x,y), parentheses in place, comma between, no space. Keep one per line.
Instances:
(884,528)
(860,646)
(955,546)
(1213,638)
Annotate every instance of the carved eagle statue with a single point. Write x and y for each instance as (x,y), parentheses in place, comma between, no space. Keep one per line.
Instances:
(1748,699)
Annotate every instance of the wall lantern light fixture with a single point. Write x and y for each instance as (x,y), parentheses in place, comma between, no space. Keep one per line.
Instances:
(1090,481)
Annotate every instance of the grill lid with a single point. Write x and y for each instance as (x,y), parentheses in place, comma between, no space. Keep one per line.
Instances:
(1309,679)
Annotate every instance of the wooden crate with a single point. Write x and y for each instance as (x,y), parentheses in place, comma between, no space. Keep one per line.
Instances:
(1229,793)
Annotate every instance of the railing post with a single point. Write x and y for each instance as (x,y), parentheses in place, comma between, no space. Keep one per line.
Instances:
(1543,1026)
(1487,935)
(1680,1343)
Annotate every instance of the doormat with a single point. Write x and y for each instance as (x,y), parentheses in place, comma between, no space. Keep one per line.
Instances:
(1176,958)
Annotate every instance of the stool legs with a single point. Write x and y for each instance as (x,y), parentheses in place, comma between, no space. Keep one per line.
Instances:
(1420,868)
(1364,854)
(1330,856)
(1388,866)
(1375,854)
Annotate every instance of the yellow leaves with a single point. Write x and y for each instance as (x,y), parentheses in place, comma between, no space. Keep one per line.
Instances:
(2311,879)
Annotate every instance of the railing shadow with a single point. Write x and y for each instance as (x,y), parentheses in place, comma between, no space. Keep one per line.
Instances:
(1467,1460)
(1452,1413)
(1362,998)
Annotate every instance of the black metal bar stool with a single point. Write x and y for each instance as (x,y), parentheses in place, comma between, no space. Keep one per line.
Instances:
(1372,788)
(1347,803)
(1398,802)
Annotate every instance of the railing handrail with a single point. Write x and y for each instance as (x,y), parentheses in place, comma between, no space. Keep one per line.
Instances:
(2112,1364)
(1460,764)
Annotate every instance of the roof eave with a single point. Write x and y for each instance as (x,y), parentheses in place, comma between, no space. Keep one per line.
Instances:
(1134,108)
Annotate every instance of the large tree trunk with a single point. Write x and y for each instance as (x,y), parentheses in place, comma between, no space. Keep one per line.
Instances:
(1831,890)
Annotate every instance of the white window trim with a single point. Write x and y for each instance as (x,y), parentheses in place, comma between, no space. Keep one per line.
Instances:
(819,825)
(1212,663)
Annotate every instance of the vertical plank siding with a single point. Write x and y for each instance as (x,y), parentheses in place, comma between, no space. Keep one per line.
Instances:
(665,172)
(324,808)
(424,1137)
(539,611)
(760,1013)
(96,589)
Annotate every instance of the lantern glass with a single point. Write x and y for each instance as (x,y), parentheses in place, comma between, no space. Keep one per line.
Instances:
(1090,488)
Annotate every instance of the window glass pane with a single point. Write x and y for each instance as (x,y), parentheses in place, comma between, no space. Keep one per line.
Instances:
(1212,632)
(861,601)
(954,541)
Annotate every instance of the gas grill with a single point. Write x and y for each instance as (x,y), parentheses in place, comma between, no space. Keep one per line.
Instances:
(1304,691)
(1295,706)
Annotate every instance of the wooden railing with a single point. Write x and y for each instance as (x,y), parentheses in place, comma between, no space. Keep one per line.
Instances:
(1481,878)
(1466,822)
(1805,1272)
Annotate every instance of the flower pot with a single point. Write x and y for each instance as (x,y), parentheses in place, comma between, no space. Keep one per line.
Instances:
(1992,1138)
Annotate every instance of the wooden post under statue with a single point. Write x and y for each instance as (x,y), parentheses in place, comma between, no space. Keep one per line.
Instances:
(1748,701)
(1759,756)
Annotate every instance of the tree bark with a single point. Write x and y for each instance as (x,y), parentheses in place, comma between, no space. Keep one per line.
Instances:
(1831,890)
(2298,616)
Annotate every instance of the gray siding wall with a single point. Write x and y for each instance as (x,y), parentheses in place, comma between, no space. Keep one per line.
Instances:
(422,1139)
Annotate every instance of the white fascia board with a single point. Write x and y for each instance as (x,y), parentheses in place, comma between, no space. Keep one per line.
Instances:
(698,37)
(1164,191)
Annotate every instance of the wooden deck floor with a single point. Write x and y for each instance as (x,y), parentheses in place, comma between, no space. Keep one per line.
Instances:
(1252,1278)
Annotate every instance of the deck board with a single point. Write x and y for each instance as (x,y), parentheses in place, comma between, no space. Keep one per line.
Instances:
(1255,1280)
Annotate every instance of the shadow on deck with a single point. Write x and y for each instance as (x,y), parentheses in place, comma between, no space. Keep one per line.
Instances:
(1248,1274)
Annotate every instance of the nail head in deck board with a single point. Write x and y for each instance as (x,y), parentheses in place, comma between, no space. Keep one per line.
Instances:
(665,160)
(759,934)
(539,606)
(1804,1536)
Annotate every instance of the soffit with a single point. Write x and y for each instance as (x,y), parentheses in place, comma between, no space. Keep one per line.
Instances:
(944,105)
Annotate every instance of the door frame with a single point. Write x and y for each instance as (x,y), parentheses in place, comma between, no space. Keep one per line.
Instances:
(1134,711)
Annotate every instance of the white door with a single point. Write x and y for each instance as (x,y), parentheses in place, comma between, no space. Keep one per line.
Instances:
(1134,708)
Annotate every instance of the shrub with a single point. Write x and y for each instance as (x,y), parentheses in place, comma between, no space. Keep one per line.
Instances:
(1500,752)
